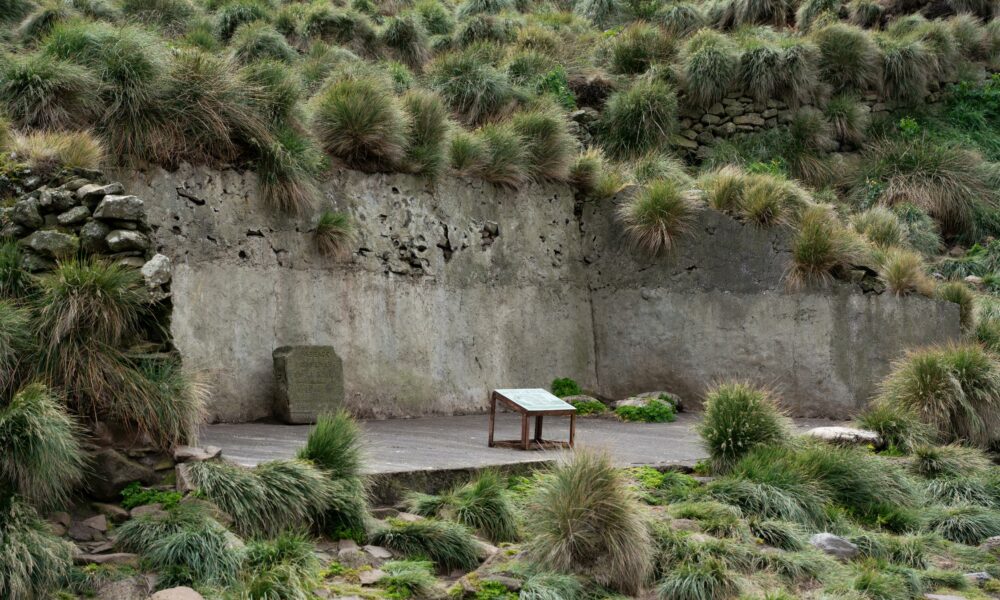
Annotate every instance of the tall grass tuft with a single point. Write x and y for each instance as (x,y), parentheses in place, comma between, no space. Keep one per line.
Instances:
(958,293)
(707,579)
(42,459)
(710,65)
(406,37)
(967,524)
(448,545)
(360,122)
(954,388)
(16,342)
(637,47)
(258,41)
(905,65)
(724,187)
(848,58)
(880,226)
(482,505)
(587,520)
(286,167)
(657,215)
(334,445)
(848,118)
(899,427)
(283,568)
(334,233)
(46,152)
(425,151)
(40,91)
(821,246)
(33,562)
(639,119)
(473,88)
(948,461)
(409,579)
(505,156)
(739,417)
(549,144)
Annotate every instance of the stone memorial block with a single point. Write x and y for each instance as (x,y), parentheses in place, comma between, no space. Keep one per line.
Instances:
(309,382)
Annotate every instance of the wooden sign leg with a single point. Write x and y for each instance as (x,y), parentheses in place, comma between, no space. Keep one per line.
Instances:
(538,428)
(493,418)
(524,431)
(572,429)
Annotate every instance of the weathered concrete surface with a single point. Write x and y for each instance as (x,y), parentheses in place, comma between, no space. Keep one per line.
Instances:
(456,289)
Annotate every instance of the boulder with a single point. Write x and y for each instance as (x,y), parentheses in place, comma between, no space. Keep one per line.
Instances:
(113,512)
(834,545)
(177,593)
(93,192)
(370,576)
(55,201)
(644,398)
(845,435)
(378,552)
(184,483)
(92,237)
(26,213)
(98,522)
(74,216)
(52,244)
(123,208)
(34,263)
(123,240)
(111,471)
(131,588)
(79,532)
(183,454)
(157,271)
(154,510)
(978,578)
(991,545)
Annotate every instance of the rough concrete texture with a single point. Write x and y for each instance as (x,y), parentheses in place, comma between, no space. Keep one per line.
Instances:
(460,287)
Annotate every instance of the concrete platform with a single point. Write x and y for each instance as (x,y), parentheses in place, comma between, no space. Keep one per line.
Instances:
(436,443)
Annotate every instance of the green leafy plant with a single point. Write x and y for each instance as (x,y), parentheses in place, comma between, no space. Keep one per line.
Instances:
(654,410)
(589,407)
(564,386)
(135,495)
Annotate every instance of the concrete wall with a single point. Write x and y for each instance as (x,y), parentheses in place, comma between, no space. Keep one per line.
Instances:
(462,287)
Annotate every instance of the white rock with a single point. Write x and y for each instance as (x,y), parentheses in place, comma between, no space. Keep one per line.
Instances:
(177,593)
(834,545)
(157,271)
(845,435)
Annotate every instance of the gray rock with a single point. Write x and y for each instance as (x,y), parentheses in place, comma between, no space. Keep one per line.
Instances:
(123,240)
(74,216)
(750,119)
(177,593)
(92,237)
(74,184)
(157,271)
(117,558)
(834,545)
(184,454)
(710,119)
(79,532)
(184,483)
(133,588)
(716,109)
(378,552)
(370,576)
(13,231)
(111,471)
(98,522)
(644,398)
(309,381)
(943,597)
(52,244)
(93,192)
(147,510)
(56,201)
(125,208)
(845,435)
(26,213)
(113,512)
(991,545)
(978,578)
(34,263)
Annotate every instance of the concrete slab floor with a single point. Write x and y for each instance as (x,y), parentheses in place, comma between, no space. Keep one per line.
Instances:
(400,445)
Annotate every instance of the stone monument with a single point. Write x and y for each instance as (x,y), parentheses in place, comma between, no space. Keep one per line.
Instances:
(309,381)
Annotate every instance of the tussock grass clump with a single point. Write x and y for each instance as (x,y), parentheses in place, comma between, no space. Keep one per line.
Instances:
(724,187)
(285,171)
(899,426)
(940,178)
(778,534)
(768,200)
(821,246)
(435,17)
(551,586)
(258,40)
(41,457)
(505,156)
(271,498)
(466,153)
(334,233)
(360,122)
(967,30)
(702,580)
(680,18)
(15,282)
(965,524)
(587,520)
(880,226)
(639,119)
(409,579)
(760,68)
(406,37)
(230,16)
(46,152)
(171,15)
(657,215)
(960,294)
(657,165)
(475,90)
(905,65)
(37,90)
(448,545)
(586,170)
(185,546)
(954,388)
(550,146)
(740,416)
(710,65)
(848,118)
(170,405)
(33,561)
(953,491)
(285,567)
(425,152)
(277,90)
(903,272)
(482,505)
(637,47)
(334,445)
(16,339)
(848,58)
(768,482)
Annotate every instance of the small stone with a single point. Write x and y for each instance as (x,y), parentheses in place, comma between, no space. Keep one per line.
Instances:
(125,208)
(184,483)
(771,112)
(409,517)
(113,512)
(485,549)
(73,216)
(64,519)
(706,138)
(98,522)
(52,244)
(845,435)
(92,192)
(346,544)
(991,545)
(34,263)
(56,201)
(684,142)
(192,454)
(973,280)
(177,593)
(117,558)
(121,240)
(131,262)
(378,552)
(370,576)
(689,134)
(734,110)
(155,510)
(729,128)
(716,109)
(26,213)
(57,529)
(74,184)
(834,545)
(710,119)
(13,231)
(384,512)
(82,533)
(943,597)
(157,271)
(137,587)
(750,119)
(978,578)
(92,237)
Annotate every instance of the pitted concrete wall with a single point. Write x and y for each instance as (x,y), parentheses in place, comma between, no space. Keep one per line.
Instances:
(461,287)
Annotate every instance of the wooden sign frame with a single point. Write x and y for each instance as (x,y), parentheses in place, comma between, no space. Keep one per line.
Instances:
(536,442)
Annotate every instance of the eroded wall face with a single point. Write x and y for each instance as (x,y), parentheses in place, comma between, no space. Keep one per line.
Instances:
(461,287)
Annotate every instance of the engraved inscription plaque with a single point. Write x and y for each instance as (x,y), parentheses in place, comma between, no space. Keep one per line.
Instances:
(309,381)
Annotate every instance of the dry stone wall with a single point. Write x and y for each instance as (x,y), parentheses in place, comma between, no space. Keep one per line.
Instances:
(456,288)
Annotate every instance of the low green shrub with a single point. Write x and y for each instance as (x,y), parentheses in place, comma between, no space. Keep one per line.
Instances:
(564,386)
(964,524)
(739,417)
(482,505)
(448,545)
(135,495)
(408,579)
(589,407)
(587,520)
(283,568)
(653,411)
